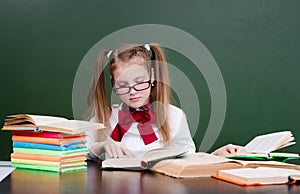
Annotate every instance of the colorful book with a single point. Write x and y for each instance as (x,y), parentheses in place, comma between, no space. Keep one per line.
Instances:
(43,140)
(47,163)
(48,143)
(81,157)
(73,146)
(276,156)
(74,152)
(45,134)
(259,176)
(50,168)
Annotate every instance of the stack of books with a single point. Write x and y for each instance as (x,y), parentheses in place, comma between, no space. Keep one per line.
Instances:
(48,143)
(50,151)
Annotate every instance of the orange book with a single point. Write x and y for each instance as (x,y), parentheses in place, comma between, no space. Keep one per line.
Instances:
(43,140)
(258,176)
(48,158)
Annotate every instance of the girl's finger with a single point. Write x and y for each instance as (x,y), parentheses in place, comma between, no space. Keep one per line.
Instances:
(127,152)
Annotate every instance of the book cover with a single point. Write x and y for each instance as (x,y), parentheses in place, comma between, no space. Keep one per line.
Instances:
(50,168)
(43,140)
(73,146)
(74,152)
(257,176)
(45,134)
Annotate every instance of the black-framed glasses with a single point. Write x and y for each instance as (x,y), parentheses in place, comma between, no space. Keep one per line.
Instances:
(137,87)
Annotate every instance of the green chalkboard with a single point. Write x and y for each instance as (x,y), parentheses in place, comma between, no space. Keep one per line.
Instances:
(254,43)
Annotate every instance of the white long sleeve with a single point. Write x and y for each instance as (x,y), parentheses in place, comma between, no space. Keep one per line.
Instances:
(180,134)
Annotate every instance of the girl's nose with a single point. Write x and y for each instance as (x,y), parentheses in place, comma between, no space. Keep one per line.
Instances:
(132,91)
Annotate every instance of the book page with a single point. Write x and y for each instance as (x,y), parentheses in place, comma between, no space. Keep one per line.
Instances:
(74,125)
(121,163)
(199,158)
(46,120)
(248,163)
(158,153)
(267,143)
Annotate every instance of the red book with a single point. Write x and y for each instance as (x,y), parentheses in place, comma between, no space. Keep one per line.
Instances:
(44,134)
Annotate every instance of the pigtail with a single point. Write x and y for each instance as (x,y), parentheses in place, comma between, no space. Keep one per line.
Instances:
(161,91)
(98,104)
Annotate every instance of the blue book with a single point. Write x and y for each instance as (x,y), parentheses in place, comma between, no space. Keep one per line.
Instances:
(72,146)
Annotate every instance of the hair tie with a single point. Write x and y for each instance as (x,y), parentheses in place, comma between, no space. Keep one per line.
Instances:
(109,53)
(147,46)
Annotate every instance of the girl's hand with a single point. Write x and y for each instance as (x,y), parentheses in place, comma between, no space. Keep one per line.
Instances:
(229,149)
(116,149)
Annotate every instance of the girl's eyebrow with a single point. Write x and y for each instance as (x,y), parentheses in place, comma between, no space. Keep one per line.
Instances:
(140,77)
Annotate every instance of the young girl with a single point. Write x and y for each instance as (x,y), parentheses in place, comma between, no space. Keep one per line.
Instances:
(145,119)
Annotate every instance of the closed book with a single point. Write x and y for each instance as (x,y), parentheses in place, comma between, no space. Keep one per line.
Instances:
(43,140)
(258,176)
(50,168)
(74,152)
(72,146)
(277,156)
(47,163)
(45,134)
(81,157)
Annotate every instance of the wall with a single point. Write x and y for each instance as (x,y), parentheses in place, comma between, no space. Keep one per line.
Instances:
(255,44)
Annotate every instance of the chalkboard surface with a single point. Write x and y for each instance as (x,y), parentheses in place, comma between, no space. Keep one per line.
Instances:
(255,44)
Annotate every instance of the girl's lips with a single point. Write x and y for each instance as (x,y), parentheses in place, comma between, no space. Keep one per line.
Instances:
(134,99)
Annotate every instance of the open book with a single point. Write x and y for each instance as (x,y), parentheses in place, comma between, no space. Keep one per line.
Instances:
(48,123)
(205,165)
(148,159)
(259,176)
(262,147)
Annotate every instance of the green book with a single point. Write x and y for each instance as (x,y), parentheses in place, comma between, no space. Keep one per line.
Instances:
(276,156)
(59,169)
(51,152)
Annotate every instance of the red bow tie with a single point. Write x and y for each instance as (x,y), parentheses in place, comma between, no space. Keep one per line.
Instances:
(143,116)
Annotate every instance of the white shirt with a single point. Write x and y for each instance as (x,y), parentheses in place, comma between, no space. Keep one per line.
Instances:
(180,134)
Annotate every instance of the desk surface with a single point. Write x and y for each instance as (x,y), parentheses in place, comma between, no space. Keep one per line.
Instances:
(93,180)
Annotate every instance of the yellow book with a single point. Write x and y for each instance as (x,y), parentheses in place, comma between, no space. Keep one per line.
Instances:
(148,159)
(205,165)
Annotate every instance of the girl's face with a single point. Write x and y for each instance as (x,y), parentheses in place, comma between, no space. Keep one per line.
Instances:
(128,74)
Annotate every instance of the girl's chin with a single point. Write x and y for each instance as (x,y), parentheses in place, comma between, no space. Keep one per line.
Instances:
(135,104)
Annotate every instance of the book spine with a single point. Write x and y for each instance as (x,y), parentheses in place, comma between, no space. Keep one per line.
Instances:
(47,158)
(35,134)
(74,146)
(36,139)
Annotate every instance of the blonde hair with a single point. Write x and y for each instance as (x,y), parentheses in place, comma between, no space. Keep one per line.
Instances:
(160,92)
